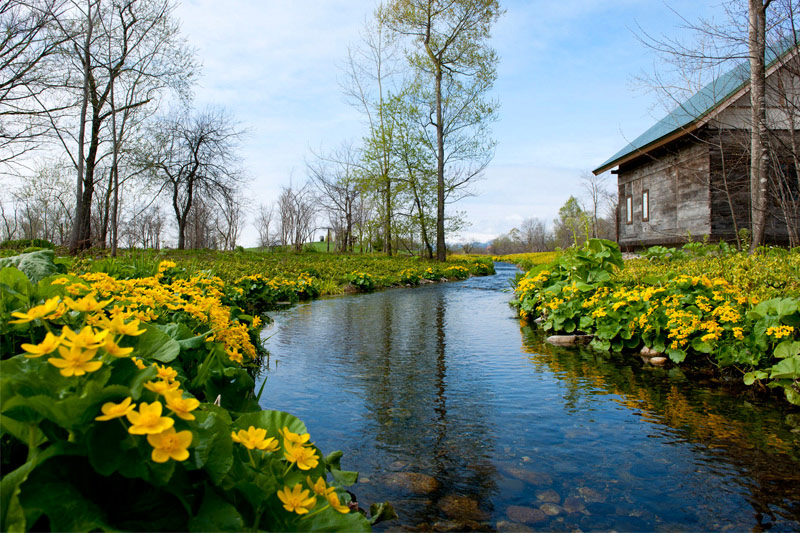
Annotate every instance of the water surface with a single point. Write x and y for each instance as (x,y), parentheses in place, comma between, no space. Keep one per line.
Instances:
(463,419)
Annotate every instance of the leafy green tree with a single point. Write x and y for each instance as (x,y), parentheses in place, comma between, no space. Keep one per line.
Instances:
(453,58)
(572,225)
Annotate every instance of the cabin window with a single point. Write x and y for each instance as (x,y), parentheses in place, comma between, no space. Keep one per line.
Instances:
(629,209)
(645,205)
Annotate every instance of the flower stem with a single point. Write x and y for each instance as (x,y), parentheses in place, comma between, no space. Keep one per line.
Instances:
(317,511)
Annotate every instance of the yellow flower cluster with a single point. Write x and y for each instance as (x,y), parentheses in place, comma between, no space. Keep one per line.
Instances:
(148,420)
(148,299)
(780,332)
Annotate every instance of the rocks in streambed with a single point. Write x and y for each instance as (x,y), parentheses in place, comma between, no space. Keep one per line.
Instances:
(462,508)
(652,356)
(568,340)
(413,482)
(551,509)
(505,526)
(538,479)
(548,496)
(526,515)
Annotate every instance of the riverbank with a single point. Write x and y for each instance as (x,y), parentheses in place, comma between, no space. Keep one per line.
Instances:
(705,304)
(168,345)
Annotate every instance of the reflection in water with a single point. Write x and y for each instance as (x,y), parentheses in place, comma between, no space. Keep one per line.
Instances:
(451,414)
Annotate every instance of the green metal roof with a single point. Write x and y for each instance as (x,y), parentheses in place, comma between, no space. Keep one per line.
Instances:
(695,108)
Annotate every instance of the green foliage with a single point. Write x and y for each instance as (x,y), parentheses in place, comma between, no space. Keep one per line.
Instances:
(21,244)
(362,281)
(704,300)
(66,470)
(35,265)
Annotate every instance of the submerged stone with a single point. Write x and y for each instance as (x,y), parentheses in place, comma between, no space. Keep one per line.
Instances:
(529,476)
(591,495)
(413,481)
(548,495)
(574,505)
(551,509)
(526,515)
(658,361)
(462,507)
(505,526)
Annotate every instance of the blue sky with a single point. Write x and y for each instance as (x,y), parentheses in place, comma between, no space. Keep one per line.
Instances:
(566,85)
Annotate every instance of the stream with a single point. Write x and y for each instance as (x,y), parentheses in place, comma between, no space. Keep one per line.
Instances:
(464,419)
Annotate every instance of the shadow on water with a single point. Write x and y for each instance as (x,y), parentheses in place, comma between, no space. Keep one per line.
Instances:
(465,420)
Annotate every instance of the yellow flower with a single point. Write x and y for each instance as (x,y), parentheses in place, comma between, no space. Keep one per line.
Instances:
(255,438)
(75,361)
(139,363)
(39,311)
(319,487)
(115,349)
(148,420)
(305,458)
(117,326)
(167,373)
(297,500)
(87,338)
(294,437)
(738,333)
(170,444)
(162,387)
(780,331)
(60,281)
(48,345)
(333,499)
(165,265)
(87,304)
(181,406)
(116,410)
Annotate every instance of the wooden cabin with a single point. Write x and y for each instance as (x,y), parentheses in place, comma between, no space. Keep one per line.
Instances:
(687,177)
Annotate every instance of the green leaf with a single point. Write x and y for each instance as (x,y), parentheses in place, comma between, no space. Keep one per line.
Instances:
(788,368)
(677,356)
(701,346)
(213,447)
(155,344)
(381,512)
(35,265)
(216,514)
(787,348)
(751,377)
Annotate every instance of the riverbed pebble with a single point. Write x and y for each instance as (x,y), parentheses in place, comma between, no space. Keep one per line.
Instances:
(551,509)
(526,515)
(658,361)
(548,495)
(462,508)
(413,481)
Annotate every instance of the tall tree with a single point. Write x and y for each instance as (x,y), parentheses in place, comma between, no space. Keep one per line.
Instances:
(115,57)
(191,154)
(450,37)
(26,43)
(757,46)
(370,71)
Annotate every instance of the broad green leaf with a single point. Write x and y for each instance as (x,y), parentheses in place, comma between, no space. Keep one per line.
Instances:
(216,514)
(212,448)
(788,368)
(787,349)
(157,345)
(35,265)
(381,512)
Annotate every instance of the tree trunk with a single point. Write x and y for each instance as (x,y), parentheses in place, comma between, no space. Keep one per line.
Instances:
(77,230)
(441,252)
(758,122)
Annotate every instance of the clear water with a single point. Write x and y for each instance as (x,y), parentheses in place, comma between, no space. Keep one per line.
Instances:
(463,418)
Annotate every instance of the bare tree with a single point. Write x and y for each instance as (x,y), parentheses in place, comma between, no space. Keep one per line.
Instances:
(193,153)
(596,193)
(264,224)
(26,43)
(297,213)
(335,176)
